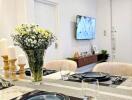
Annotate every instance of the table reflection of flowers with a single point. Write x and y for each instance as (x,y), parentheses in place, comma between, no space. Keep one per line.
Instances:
(34,40)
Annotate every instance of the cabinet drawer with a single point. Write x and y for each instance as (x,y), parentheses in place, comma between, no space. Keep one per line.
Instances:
(91,59)
(81,62)
(86,60)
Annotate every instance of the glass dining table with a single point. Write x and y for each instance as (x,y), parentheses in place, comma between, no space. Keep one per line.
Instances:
(54,83)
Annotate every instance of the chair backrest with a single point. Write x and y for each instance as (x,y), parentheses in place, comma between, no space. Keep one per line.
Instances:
(114,68)
(57,64)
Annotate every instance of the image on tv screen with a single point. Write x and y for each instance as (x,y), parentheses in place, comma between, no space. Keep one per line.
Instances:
(86,27)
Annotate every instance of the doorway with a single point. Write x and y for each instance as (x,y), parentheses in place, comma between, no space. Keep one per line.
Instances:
(46,17)
(122,30)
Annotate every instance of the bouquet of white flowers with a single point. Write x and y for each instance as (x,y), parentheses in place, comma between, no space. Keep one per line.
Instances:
(34,40)
(32,37)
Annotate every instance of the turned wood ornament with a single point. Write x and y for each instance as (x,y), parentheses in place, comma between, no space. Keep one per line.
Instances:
(21,71)
(12,69)
(6,66)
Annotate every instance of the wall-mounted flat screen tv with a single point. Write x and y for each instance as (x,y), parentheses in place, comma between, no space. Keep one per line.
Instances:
(85,27)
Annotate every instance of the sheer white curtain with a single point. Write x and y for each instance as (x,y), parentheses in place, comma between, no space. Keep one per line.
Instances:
(7,20)
(1,17)
(7,17)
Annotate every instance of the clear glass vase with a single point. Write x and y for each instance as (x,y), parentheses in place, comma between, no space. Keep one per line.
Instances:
(35,60)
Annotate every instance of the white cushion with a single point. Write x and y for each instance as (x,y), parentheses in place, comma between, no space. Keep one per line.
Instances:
(64,64)
(115,68)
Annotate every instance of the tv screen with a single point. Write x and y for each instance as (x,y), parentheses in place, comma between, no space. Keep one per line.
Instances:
(85,28)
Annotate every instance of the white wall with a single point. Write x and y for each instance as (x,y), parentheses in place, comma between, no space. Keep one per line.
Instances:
(122,22)
(104,25)
(69,10)
(50,22)
(13,12)
(66,14)
(22,11)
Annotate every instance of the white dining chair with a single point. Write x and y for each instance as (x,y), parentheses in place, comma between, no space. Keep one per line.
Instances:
(58,64)
(114,68)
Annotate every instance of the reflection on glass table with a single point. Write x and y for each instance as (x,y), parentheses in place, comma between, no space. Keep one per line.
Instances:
(103,78)
(65,72)
(93,86)
(45,72)
(4,83)
(43,95)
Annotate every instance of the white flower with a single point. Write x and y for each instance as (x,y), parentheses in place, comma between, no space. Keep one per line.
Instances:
(32,36)
(34,42)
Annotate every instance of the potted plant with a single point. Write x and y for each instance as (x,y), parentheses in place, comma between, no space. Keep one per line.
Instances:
(104,54)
